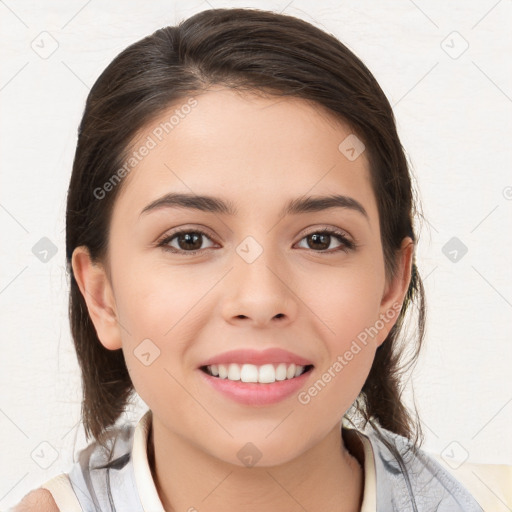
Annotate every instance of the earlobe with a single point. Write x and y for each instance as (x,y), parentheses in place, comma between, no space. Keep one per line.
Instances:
(96,289)
(396,288)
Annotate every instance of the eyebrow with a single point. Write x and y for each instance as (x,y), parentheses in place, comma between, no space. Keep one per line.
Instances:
(216,205)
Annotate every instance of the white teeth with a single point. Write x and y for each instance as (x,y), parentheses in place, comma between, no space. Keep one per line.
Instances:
(264,374)
(223,371)
(281,371)
(290,372)
(234,371)
(249,373)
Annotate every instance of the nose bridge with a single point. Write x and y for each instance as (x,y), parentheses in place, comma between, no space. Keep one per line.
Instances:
(258,288)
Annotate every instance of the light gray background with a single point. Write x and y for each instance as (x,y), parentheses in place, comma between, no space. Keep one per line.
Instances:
(453,107)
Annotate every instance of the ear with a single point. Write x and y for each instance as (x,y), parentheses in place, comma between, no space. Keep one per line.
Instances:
(96,289)
(396,289)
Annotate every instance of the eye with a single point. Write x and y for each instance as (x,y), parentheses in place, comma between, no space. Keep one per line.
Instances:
(322,240)
(190,241)
(185,239)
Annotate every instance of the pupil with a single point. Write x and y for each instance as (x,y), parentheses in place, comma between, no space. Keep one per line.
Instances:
(190,239)
(317,236)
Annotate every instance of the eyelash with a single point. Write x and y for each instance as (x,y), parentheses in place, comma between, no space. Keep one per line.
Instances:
(346,244)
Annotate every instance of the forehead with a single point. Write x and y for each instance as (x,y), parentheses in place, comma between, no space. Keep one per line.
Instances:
(256,151)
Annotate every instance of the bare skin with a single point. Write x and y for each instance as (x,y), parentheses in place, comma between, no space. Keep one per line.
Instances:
(38,500)
(257,153)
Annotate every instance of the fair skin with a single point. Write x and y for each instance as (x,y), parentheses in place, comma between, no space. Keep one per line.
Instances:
(257,153)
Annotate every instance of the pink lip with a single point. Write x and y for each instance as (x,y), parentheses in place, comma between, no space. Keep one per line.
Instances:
(257,357)
(255,393)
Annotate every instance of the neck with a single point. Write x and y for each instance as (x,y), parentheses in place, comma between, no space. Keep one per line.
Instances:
(327,477)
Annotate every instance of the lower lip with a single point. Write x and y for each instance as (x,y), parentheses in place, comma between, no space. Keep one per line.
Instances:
(255,393)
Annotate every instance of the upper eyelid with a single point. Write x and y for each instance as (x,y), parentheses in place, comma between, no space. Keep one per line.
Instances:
(334,229)
(169,235)
(206,231)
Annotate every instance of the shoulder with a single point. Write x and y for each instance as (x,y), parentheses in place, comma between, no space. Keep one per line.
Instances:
(409,474)
(38,500)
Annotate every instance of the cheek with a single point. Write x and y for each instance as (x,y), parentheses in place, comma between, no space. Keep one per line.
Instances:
(346,300)
(162,311)
(156,301)
(349,309)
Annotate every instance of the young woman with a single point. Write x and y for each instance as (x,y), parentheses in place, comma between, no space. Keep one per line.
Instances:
(241,246)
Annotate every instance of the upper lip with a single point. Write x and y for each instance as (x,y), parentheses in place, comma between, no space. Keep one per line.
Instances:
(257,357)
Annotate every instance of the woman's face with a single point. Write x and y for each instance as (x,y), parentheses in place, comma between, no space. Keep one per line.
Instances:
(259,279)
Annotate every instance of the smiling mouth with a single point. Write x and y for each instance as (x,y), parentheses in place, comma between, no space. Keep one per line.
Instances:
(250,373)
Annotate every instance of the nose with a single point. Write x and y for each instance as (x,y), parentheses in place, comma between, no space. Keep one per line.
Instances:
(260,293)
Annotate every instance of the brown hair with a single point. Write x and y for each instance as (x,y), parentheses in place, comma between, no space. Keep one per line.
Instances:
(244,49)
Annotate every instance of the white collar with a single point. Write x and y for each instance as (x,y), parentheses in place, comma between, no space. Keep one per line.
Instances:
(143,478)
